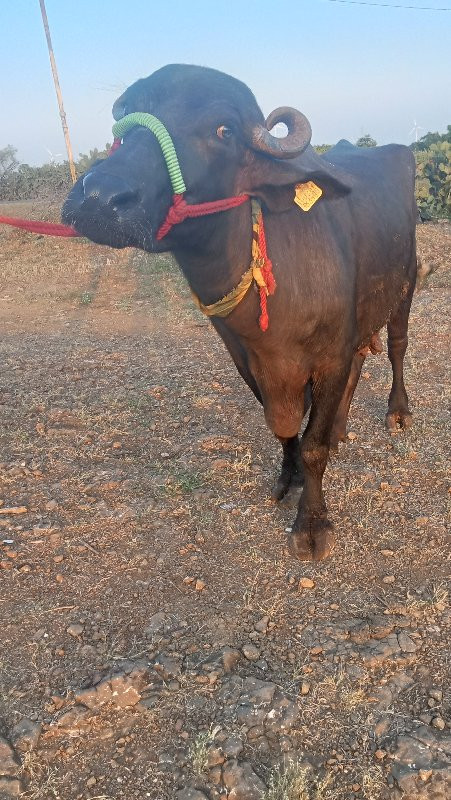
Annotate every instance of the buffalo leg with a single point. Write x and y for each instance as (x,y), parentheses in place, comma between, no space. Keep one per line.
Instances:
(312,537)
(291,473)
(398,404)
(339,427)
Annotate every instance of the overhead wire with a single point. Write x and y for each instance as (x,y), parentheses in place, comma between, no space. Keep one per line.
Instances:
(388,5)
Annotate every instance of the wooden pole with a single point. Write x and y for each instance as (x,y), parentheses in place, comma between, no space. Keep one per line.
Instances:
(58,91)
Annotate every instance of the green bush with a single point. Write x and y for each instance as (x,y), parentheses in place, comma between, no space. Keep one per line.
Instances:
(433,181)
(49,181)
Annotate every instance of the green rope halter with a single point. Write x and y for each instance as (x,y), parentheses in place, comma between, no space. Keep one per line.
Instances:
(164,140)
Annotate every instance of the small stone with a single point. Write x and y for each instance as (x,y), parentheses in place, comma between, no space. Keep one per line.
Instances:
(167,667)
(230,658)
(10,787)
(200,585)
(87,651)
(406,644)
(74,719)
(306,583)
(156,624)
(381,727)
(51,505)
(438,723)
(315,651)
(243,783)
(305,688)
(380,754)
(387,553)
(9,763)
(25,735)
(91,781)
(124,693)
(436,694)
(95,696)
(424,774)
(262,625)
(388,579)
(215,775)
(215,757)
(352,436)
(251,652)
(75,630)
(232,747)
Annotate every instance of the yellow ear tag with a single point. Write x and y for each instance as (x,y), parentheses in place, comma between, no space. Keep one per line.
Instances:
(307,194)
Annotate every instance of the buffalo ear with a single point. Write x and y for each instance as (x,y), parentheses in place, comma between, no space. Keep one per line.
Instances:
(273,180)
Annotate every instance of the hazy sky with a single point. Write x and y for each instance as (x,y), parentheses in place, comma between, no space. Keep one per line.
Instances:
(350,68)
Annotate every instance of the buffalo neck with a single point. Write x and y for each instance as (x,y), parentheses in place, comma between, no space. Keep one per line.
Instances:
(217,254)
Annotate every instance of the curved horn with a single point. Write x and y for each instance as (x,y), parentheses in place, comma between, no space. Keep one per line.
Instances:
(291,145)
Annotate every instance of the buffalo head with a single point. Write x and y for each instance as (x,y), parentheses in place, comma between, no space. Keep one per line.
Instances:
(224,146)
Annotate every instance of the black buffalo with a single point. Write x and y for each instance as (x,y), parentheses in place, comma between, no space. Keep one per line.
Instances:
(344,269)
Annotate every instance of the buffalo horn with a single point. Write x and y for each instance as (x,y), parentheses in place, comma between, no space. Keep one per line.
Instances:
(291,145)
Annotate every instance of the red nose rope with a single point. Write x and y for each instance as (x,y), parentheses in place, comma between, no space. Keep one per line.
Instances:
(178,212)
(37,226)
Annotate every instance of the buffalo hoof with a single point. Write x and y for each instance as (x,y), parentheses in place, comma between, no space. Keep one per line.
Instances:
(285,485)
(335,438)
(398,420)
(313,542)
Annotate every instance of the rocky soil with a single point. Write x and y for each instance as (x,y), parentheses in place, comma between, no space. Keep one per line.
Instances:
(156,639)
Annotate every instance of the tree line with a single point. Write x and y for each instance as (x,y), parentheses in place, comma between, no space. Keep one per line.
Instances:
(432,155)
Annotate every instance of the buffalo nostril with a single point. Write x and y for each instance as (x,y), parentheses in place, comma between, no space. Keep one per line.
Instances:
(108,190)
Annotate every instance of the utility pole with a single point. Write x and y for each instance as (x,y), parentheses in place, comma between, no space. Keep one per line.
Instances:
(58,92)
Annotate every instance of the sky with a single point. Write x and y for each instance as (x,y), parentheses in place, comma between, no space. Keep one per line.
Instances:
(351,68)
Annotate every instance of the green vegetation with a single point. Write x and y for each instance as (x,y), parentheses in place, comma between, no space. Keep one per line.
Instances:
(433,174)
(23,182)
(366,141)
(432,155)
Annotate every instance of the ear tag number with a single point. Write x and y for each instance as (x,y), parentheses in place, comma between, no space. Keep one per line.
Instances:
(307,194)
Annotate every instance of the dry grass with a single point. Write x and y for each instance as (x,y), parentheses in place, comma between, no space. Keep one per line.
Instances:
(373,783)
(198,750)
(338,691)
(297,783)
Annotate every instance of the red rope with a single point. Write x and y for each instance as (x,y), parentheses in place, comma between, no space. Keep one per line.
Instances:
(267,274)
(115,146)
(180,210)
(46,228)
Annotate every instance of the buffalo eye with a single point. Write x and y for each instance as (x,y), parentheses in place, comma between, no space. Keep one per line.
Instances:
(224,132)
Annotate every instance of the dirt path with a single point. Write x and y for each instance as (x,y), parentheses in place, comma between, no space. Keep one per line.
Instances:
(155,636)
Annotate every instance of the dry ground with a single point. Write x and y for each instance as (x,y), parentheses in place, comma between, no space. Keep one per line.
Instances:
(140,466)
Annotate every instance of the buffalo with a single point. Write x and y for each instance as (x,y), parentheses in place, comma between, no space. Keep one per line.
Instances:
(343,257)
